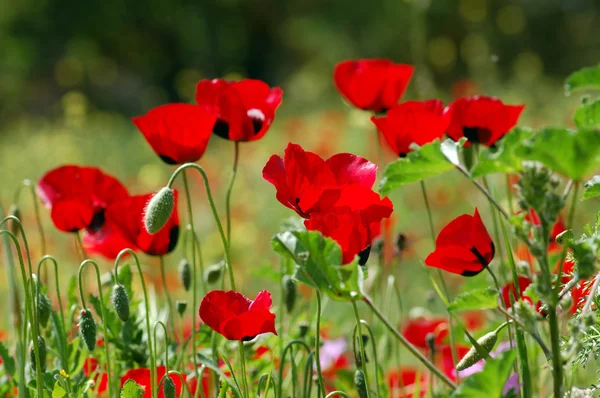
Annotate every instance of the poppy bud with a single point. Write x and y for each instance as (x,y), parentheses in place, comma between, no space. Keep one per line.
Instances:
(159,210)
(14,211)
(565,237)
(213,273)
(289,293)
(185,274)
(487,342)
(169,388)
(44,309)
(87,329)
(120,301)
(523,269)
(181,306)
(303,328)
(360,384)
(42,353)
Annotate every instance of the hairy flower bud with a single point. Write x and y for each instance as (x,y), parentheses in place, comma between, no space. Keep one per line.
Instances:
(42,353)
(44,309)
(213,273)
(14,211)
(185,274)
(120,301)
(87,329)
(360,384)
(487,343)
(181,306)
(289,293)
(169,388)
(159,210)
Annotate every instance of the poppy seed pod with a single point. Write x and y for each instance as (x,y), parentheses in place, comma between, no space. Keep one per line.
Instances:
(181,306)
(87,329)
(42,353)
(360,384)
(487,342)
(159,210)
(185,274)
(169,388)
(213,273)
(120,301)
(289,293)
(44,308)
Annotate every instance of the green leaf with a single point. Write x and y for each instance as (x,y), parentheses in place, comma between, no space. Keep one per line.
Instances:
(479,299)
(489,382)
(58,391)
(583,79)
(503,158)
(9,361)
(591,188)
(572,153)
(317,261)
(426,161)
(131,390)
(588,115)
(204,360)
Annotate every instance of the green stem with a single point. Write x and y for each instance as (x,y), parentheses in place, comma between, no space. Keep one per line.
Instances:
(102,313)
(80,245)
(236,155)
(284,355)
(167,295)
(147,309)
(363,356)
(321,387)
(243,366)
(484,191)
(411,348)
(36,209)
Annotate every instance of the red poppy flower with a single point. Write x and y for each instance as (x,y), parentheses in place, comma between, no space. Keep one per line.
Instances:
(445,359)
(417,329)
(178,133)
(77,196)
(90,367)
(413,122)
(107,241)
(482,119)
(142,377)
(463,247)
(580,291)
(246,108)
(509,292)
(403,383)
(207,382)
(372,84)
(127,217)
(237,317)
(558,228)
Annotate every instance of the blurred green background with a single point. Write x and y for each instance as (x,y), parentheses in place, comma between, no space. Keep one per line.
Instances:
(72,74)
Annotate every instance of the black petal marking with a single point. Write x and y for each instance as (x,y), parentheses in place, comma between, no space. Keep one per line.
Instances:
(363,256)
(173,238)
(97,221)
(221,129)
(167,159)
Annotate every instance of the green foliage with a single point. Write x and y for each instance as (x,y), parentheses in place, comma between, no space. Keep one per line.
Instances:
(591,189)
(489,382)
(583,79)
(503,158)
(317,261)
(423,162)
(572,153)
(7,360)
(131,390)
(204,360)
(475,300)
(588,115)
(58,391)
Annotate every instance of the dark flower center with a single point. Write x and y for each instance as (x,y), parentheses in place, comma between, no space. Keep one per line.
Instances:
(167,159)
(363,256)
(173,238)
(221,129)
(258,119)
(97,221)
(477,134)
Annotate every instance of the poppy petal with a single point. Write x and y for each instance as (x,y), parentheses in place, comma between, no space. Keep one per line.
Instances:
(351,169)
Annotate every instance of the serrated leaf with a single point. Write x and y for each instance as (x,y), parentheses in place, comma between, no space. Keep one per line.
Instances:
(479,299)
(572,153)
(583,79)
(588,115)
(318,262)
(7,359)
(591,188)
(131,390)
(490,381)
(426,161)
(503,158)
(206,361)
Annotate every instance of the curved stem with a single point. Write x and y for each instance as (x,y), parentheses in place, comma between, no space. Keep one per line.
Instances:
(36,208)
(28,305)
(65,359)
(167,295)
(374,351)
(413,350)
(178,374)
(337,393)
(214,211)
(361,344)
(321,386)
(147,308)
(287,348)
(102,312)
(236,155)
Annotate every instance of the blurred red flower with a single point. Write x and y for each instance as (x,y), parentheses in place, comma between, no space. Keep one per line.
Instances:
(78,196)
(418,122)
(372,84)
(178,133)
(482,119)
(127,217)
(509,292)
(417,329)
(558,228)
(142,377)
(237,317)
(463,247)
(403,383)
(91,367)
(246,108)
